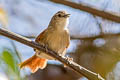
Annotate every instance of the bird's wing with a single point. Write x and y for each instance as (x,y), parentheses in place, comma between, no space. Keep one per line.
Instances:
(40,37)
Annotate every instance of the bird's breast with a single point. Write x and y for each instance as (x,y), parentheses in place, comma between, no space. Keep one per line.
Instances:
(55,41)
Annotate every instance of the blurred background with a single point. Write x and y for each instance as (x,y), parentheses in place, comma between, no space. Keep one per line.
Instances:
(95,42)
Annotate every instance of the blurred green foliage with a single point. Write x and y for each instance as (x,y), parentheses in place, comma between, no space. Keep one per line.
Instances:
(9,59)
(9,65)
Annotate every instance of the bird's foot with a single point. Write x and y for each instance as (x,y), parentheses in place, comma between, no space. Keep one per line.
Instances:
(69,58)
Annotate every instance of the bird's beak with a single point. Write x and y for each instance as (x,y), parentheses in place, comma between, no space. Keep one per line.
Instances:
(67,15)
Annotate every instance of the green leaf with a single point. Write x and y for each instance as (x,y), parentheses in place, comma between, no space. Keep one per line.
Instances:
(8,59)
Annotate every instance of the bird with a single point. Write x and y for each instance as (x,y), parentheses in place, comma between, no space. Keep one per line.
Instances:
(55,36)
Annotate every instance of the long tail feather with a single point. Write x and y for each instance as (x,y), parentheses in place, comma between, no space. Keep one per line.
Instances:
(34,63)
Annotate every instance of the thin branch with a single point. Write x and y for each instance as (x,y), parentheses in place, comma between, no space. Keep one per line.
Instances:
(96,36)
(86,8)
(85,37)
(16,50)
(74,66)
(14,46)
(97,22)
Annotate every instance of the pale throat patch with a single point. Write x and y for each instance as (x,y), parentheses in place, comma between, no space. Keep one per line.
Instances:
(66,25)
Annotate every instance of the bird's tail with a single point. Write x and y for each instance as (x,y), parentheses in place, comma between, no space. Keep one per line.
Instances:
(34,63)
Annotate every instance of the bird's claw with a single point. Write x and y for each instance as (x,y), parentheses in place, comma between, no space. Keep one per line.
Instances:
(69,58)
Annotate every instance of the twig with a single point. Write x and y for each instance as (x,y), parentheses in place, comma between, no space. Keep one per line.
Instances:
(74,66)
(16,51)
(97,22)
(14,46)
(97,36)
(96,12)
(87,37)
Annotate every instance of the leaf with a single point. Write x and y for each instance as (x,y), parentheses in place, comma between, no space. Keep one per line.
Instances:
(8,59)
(11,64)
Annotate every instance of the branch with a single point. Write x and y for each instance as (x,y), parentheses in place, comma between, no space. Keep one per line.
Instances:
(96,12)
(16,51)
(85,37)
(96,36)
(74,66)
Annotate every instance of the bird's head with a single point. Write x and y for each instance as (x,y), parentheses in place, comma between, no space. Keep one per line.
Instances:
(60,20)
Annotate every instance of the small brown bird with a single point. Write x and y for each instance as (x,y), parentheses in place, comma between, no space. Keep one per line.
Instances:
(55,37)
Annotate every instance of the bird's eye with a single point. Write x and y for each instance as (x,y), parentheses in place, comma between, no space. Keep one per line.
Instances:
(59,15)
